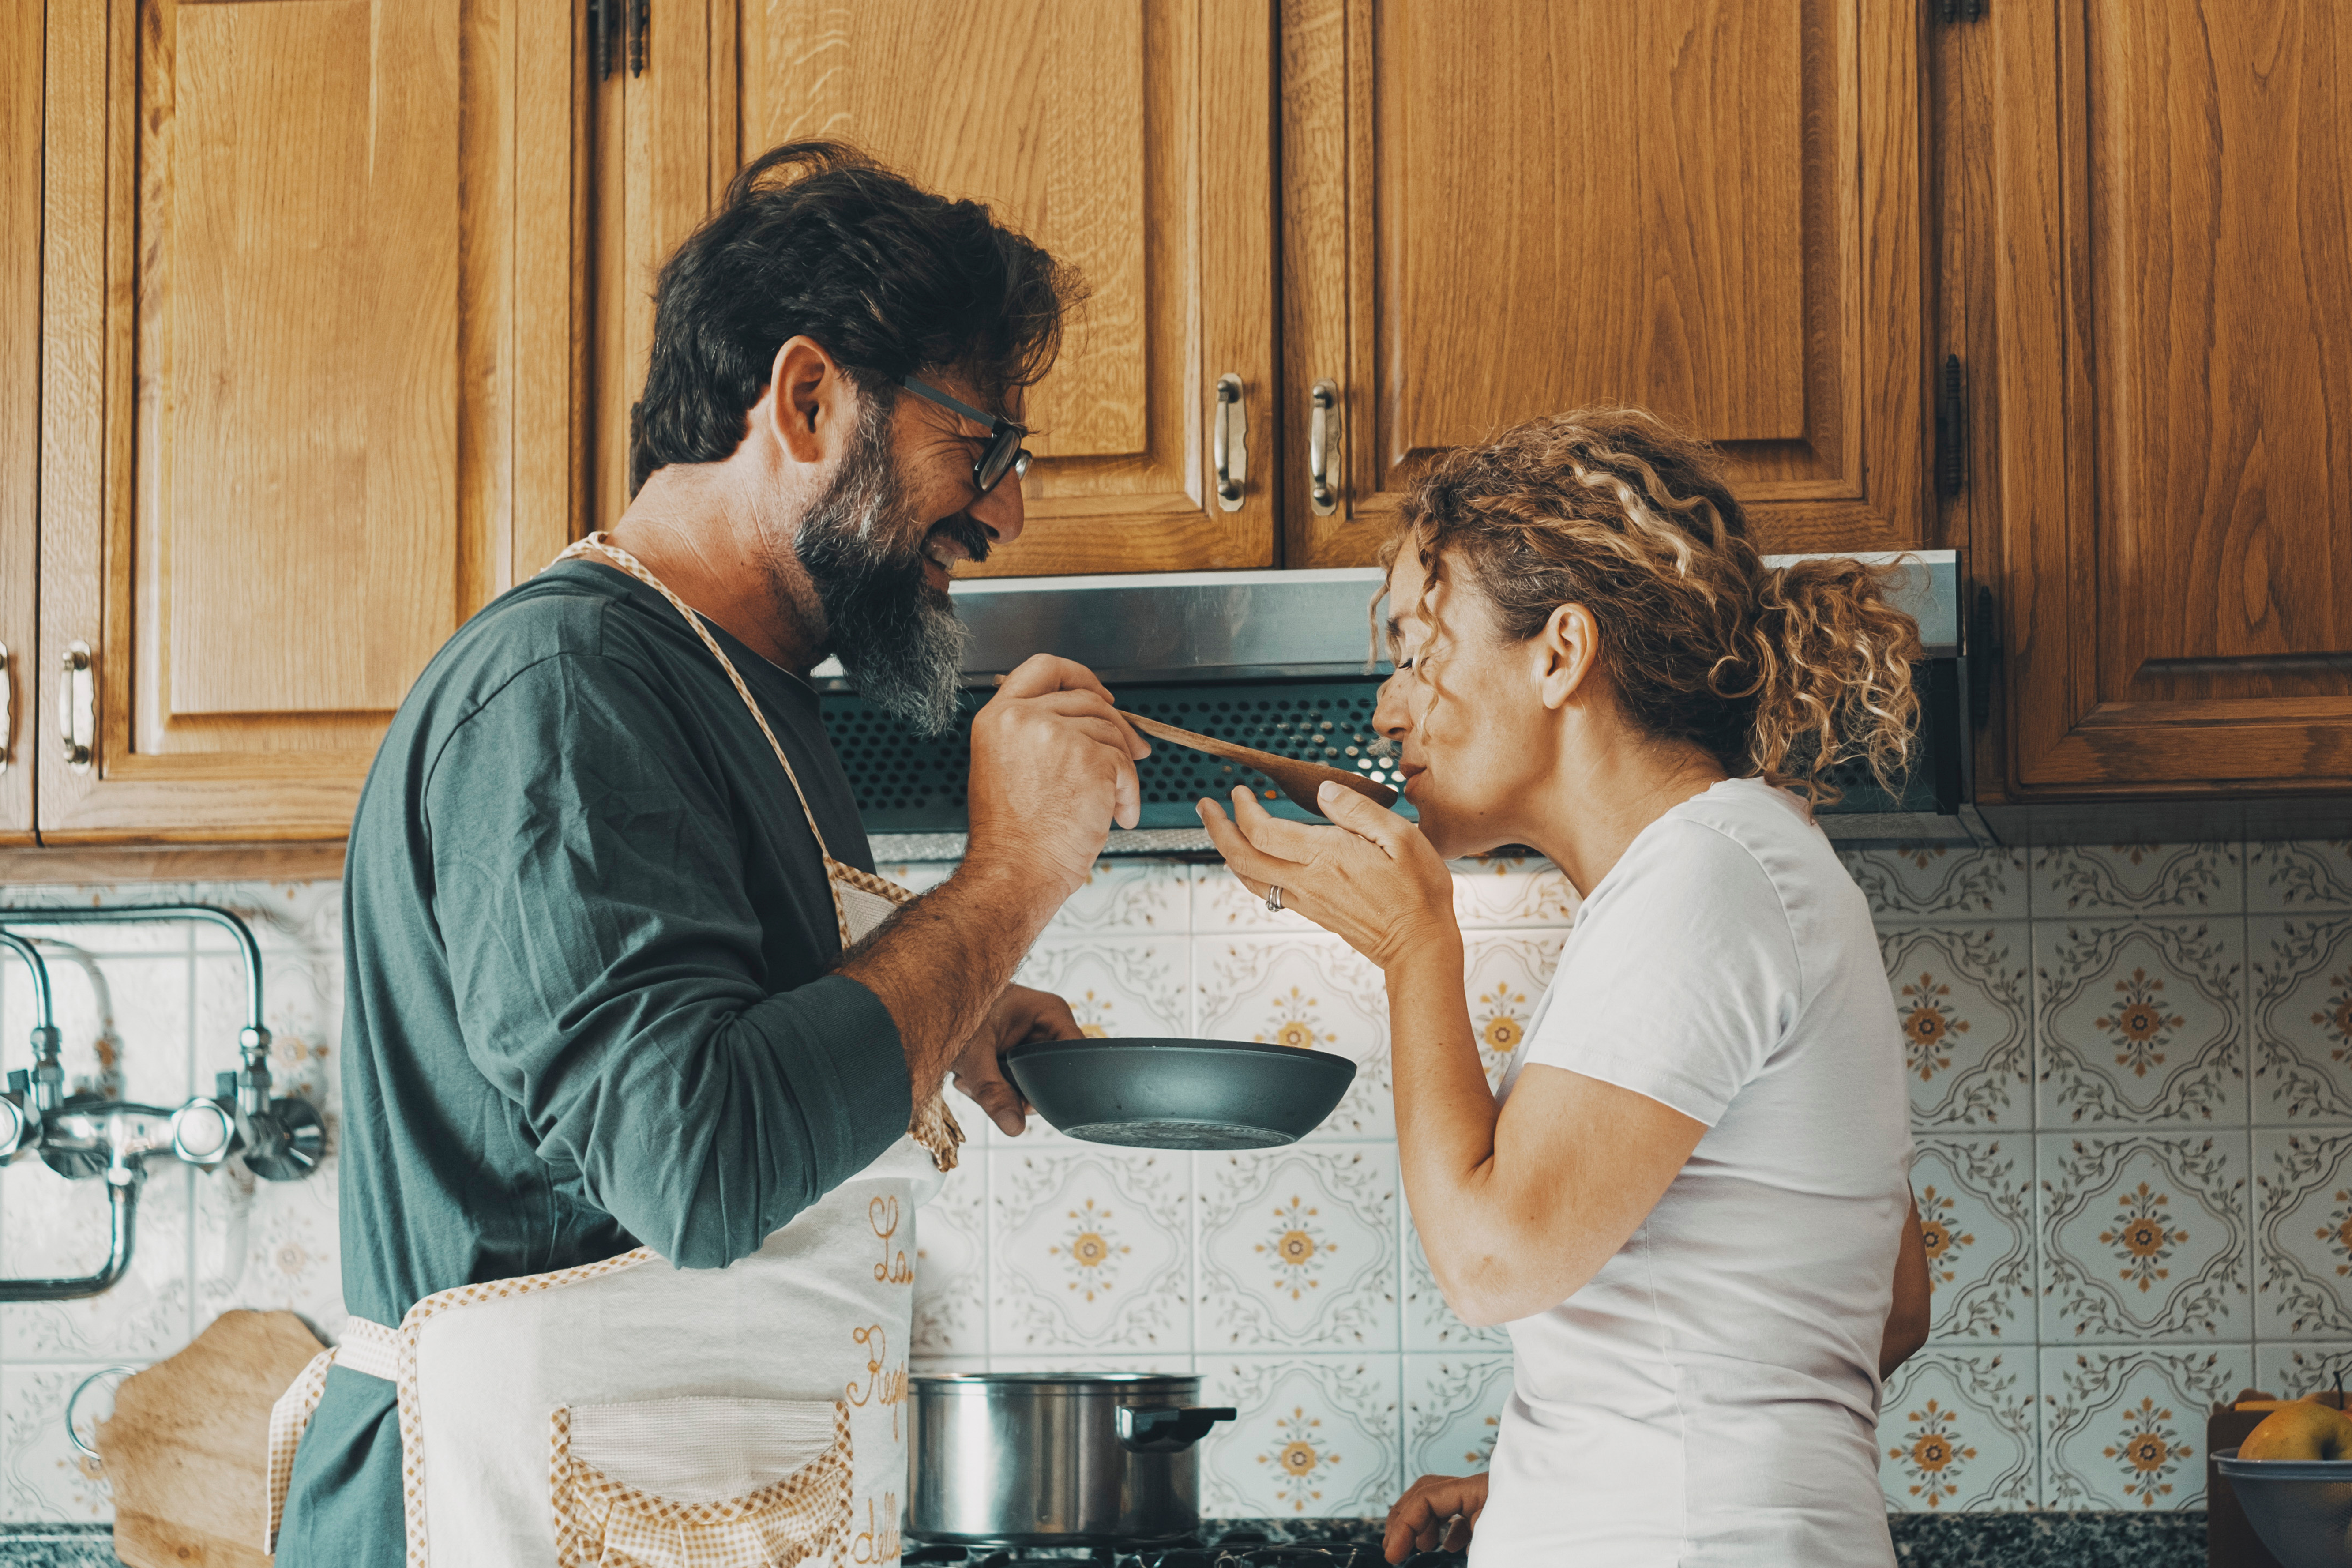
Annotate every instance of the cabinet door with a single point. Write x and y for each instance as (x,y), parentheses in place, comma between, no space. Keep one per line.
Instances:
(2173,286)
(1133,137)
(306,384)
(20,405)
(1494,209)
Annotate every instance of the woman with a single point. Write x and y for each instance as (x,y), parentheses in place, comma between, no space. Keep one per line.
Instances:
(1687,1200)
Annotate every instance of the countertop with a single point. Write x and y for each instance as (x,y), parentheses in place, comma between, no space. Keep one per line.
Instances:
(1921,1541)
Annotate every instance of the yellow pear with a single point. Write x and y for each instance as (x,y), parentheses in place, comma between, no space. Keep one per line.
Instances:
(2304,1430)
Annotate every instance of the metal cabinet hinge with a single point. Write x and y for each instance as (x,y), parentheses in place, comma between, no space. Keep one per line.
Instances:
(1957,11)
(601,28)
(1952,429)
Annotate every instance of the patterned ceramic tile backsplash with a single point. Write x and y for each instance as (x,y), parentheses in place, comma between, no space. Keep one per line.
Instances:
(2131,1088)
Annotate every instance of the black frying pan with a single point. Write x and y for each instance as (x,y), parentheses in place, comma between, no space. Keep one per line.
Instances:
(1180,1094)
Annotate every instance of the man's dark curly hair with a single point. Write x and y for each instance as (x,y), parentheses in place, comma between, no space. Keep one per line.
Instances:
(816,239)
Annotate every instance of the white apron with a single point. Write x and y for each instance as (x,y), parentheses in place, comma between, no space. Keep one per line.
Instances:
(631,1415)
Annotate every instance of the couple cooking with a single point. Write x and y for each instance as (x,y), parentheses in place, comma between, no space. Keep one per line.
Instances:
(643,1063)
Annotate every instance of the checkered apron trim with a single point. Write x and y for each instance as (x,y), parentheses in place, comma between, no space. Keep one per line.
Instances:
(600,1520)
(934,1125)
(369,1347)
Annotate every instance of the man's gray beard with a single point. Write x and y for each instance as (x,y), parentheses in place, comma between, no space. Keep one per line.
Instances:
(896,636)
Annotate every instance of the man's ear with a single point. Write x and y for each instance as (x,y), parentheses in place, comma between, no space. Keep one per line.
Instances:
(1567,649)
(807,406)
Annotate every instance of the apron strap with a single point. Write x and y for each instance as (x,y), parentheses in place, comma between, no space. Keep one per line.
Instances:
(613,555)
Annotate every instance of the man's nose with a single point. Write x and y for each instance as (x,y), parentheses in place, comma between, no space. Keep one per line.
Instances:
(999,512)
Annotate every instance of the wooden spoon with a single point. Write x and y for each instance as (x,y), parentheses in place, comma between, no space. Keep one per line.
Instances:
(1296,779)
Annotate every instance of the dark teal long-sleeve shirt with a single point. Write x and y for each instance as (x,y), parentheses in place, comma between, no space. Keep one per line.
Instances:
(587,938)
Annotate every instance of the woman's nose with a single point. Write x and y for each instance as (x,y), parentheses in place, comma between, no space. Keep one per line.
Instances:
(1388,716)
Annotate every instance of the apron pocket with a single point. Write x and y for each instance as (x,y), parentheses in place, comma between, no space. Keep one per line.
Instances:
(700,1483)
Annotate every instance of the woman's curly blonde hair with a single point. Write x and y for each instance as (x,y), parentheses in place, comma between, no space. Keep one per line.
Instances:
(1778,672)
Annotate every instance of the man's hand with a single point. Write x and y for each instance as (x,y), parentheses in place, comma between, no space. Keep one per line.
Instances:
(1053,766)
(1434,1510)
(1019,1017)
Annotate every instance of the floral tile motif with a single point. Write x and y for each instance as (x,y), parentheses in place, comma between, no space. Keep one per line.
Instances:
(2292,1370)
(2125,1429)
(1315,993)
(2143,1237)
(42,1478)
(306,917)
(1453,1412)
(1429,1323)
(1960,995)
(951,1267)
(1506,978)
(1089,1251)
(1130,898)
(1117,986)
(1936,882)
(270,1246)
(2140,1023)
(1976,1214)
(1299,1246)
(1317,1437)
(52,1226)
(2302,1017)
(2298,873)
(1512,892)
(1958,1431)
(2302,1233)
(2138,880)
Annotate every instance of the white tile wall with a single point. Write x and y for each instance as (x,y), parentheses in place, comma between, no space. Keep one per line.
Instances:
(2131,1076)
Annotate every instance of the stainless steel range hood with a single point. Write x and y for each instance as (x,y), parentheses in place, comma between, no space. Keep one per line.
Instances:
(1278,660)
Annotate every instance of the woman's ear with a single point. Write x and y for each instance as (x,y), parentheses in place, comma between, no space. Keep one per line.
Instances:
(1567,649)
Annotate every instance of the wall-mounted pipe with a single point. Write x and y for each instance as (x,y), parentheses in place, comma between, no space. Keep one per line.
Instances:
(122,1200)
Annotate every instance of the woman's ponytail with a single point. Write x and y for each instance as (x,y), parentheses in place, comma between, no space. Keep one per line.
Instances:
(1831,660)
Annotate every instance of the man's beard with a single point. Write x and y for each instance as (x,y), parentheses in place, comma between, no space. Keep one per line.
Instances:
(896,636)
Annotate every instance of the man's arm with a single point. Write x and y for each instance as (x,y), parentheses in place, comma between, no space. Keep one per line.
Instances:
(1053,766)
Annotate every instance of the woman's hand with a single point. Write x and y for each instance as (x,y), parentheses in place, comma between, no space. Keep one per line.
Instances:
(1371,878)
(1436,1513)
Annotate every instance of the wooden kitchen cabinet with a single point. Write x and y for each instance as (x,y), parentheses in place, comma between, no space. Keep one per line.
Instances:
(1131,137)
(308,371)
(2170,527)
(20,408)
(1494,209)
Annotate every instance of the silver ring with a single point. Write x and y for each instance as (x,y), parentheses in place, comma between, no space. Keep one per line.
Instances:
(75,1398)
(1274,898)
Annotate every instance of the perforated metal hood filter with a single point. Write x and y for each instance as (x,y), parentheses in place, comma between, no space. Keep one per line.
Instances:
(908,784)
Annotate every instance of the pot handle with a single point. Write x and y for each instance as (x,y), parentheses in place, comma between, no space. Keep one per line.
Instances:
(1165,1429)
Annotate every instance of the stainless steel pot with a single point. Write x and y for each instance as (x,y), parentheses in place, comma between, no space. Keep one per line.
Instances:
(1042,1459)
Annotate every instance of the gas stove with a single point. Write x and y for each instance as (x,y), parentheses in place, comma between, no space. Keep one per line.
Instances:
(1232,1549)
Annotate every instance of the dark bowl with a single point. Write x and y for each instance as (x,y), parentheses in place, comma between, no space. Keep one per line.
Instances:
(1180,1094)
(2301,1509)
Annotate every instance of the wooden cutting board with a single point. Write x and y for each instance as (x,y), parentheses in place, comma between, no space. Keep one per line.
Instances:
(187,1447)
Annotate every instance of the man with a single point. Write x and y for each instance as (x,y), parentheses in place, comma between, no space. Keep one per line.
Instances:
(598,992)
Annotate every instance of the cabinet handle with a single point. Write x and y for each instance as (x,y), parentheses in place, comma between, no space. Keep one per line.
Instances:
(1229,442)
(602,25)
(78,706)
(641,22)
(7,709)
(1322,435)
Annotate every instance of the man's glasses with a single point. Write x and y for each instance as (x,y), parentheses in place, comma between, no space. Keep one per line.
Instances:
(1003,455)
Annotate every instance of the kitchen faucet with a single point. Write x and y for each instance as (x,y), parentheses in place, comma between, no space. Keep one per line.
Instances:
(81,1136)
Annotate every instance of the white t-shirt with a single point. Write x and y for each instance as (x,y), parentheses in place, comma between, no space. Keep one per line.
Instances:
(1711,1397)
